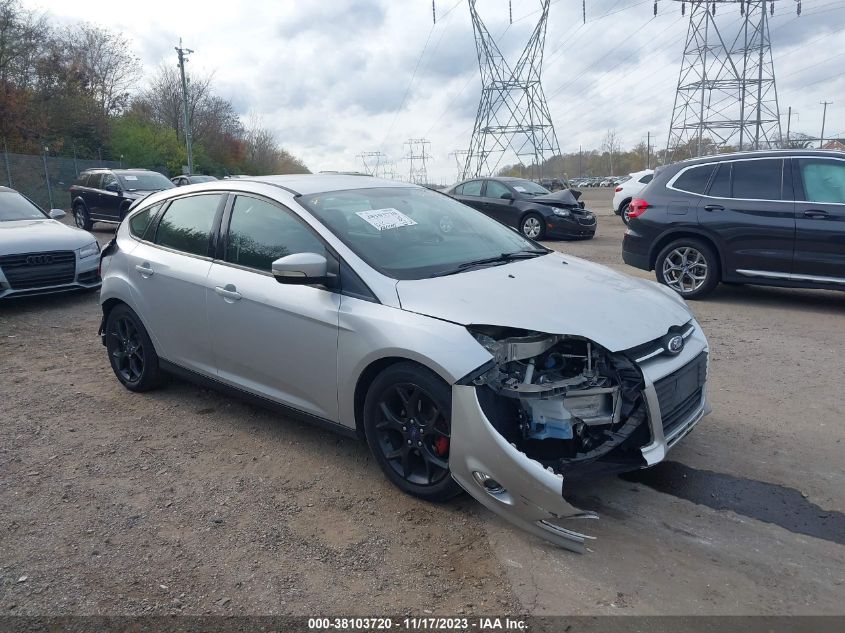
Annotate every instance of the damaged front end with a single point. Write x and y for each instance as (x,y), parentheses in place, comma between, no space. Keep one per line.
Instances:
(547,409)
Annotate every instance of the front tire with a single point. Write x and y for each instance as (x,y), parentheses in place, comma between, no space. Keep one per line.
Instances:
(407,422)
(131,354)
(688,266)
(81,217)
(532,227)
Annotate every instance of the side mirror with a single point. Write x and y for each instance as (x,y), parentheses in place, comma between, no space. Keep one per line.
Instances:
(57,214)
(113,187)
(303,269)
(507,196)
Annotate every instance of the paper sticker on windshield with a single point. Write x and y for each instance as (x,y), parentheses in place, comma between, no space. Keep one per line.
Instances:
(385,219)
(130,177)
(519,188)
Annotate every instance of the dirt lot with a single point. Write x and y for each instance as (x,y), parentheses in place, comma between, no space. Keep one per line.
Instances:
(185,501)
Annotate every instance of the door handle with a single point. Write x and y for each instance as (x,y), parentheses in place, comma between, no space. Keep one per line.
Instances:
(145,270)
(229,293)
(816,213)
(713,207)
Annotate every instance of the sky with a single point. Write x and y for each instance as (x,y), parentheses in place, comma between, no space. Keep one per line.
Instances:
(336,78)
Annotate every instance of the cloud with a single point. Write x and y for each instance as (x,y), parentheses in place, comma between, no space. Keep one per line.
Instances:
(337,78)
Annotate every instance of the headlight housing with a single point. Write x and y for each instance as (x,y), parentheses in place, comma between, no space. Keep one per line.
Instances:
(89,250)
(565,213)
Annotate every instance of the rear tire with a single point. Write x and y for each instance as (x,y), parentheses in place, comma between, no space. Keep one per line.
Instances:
(81,217)
(407,422)
(532,227)
(623,211)
(131,353)
(688,266)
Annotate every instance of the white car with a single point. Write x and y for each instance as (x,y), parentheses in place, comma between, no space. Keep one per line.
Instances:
(39,254)
(626,191)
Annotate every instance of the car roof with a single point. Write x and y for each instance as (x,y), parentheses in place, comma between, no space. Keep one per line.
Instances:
(768,153)
(307,184)
(7,189)
(127,170)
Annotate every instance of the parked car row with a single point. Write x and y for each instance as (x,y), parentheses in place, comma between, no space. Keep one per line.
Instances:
(599,181)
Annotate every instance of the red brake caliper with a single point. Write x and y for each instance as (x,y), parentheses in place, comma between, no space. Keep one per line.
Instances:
(441,446)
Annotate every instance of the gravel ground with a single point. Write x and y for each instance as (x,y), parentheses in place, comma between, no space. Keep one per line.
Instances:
(186,501)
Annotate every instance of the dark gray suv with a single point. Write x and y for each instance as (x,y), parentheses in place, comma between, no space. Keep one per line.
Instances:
(105,195)
(774,218)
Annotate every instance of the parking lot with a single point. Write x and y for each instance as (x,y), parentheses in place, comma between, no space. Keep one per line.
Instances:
(186,501)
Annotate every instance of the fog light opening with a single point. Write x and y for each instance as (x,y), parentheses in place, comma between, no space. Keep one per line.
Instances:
(488,483)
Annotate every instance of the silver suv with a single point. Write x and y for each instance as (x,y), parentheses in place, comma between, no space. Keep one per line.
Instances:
(467,356)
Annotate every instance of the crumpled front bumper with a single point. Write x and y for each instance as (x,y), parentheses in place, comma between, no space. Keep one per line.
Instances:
(525,492)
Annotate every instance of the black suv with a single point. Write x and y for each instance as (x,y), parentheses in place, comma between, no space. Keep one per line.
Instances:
(774,218)
(105,195)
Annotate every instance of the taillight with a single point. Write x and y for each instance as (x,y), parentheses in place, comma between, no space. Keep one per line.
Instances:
(637,207)
(618,189)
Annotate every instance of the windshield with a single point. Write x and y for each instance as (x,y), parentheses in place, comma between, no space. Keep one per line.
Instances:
(13,206)
(414,233)
(528,187)
(144,181)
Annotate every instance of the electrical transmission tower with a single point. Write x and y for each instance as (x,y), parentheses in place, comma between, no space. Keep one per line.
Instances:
(460,156)
(726,94)
(417,156)
(512,113)
(374,163)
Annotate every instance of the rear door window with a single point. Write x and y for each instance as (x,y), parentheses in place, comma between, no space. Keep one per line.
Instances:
(721,185)
(472,188)
(758,179)
(139,222)
(93,181)
(187,224)
(694,179)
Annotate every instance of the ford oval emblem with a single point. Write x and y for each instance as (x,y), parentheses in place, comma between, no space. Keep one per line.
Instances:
(675,344)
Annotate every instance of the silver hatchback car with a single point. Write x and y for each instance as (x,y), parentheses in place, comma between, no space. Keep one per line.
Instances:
(467,356)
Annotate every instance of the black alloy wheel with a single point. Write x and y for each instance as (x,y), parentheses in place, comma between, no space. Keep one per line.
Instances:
(130,350)
(407,422)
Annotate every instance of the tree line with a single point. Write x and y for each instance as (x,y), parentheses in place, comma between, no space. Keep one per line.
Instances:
(75,89)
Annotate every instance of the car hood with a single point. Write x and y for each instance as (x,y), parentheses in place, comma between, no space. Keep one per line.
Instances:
(32,236)
(563,197)
(551,294)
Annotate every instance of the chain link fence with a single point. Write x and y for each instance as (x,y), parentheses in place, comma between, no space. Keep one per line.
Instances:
(43,178)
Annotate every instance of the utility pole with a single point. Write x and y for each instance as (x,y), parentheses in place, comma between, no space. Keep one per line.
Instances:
(824,117)
(648,151)
(183,57)
(580,156)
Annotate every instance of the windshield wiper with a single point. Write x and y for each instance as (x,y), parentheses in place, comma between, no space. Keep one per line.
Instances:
(504,258)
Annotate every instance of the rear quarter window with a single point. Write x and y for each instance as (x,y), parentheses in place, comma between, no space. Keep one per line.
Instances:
(694,179)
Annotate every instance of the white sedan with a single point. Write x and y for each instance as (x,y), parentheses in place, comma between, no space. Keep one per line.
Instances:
(626,191)
(39,254)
